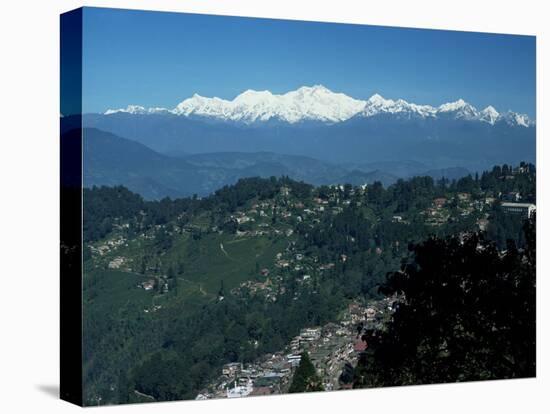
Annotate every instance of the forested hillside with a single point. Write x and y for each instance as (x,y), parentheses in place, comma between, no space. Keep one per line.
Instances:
(176,288)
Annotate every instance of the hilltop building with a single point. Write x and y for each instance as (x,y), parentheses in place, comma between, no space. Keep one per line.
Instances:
(524,209)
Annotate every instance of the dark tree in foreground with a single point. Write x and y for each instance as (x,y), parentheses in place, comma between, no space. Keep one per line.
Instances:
(305,378)
(468,313)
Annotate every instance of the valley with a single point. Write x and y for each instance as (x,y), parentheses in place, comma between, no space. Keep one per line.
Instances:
(113,160)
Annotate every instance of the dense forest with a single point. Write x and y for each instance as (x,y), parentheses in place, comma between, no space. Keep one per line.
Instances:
(165,303)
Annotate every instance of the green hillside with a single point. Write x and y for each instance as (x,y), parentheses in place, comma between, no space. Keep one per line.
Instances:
(174,289)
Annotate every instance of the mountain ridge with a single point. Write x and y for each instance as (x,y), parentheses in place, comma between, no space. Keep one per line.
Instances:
(319,104)
(112,160)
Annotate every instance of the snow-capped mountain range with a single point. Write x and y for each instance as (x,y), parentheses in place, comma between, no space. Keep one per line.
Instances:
(317,103)
(328,126)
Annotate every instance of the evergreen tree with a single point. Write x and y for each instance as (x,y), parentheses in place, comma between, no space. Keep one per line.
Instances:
(468,313)
(305,378)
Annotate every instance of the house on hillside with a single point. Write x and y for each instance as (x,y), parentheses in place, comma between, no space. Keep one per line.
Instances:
(440,202)
(231,369)
(522,209)
(360,346)
(262,391)
(483,223)
(116,263)
(464,196)
(149,285)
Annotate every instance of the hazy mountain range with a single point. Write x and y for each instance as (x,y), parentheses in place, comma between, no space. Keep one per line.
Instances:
(112,160)
(311,134)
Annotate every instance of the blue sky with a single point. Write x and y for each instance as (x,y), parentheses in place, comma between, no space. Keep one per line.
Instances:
(159,59)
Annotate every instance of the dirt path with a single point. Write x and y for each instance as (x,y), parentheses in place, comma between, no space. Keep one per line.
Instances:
(144,395)
(201,290)
(225,253)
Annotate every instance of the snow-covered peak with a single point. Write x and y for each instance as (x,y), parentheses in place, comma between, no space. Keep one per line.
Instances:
(200,105)
(457,105)
(452,106)
(320,104)
(515,119)
(252,96)
(137,109)
(315,90)
(131,109)
(377,104)
(460,109)
(379,100)
(316,103)
(489,115)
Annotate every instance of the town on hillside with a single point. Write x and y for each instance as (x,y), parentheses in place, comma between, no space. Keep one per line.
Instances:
(334,348)
(268,252)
